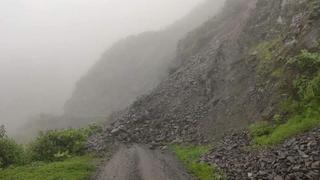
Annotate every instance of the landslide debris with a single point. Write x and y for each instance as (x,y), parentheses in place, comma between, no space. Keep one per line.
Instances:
(296,158)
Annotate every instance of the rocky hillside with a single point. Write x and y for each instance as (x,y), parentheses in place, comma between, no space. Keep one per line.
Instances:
(132,67)
(227,73)
(258,63)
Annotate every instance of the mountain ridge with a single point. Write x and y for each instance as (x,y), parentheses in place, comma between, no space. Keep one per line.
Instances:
(132,67)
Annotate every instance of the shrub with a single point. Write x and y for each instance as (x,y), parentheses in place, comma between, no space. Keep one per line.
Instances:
(307,83)
(260,129)
(290,106)
(306,62)
(56,145)
(10,153)
(312,89)
(93,129)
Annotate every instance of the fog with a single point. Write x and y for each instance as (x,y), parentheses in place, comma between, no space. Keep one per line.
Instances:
(47,45)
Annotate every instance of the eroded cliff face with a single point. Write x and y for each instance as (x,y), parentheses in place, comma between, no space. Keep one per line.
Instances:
(224,75)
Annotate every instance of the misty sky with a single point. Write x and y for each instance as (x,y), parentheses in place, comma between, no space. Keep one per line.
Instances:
(47,45)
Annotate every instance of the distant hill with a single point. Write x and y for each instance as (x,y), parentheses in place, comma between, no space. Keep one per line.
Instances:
(132,67)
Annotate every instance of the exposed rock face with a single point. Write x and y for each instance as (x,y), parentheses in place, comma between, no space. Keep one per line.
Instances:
(215,85)
(132,67)
(296,158)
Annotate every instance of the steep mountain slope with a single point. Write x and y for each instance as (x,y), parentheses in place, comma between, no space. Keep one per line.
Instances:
(132,67)
(226,74)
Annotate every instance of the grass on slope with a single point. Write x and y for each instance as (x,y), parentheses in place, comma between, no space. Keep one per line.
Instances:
(301,108)
(296,125)
(190,155)
(78,168)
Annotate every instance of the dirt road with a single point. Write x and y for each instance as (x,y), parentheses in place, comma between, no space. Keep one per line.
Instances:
(140,163)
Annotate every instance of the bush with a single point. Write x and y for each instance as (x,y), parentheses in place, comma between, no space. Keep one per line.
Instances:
(10,153)
(307,83)
(312,89)
(55,145)
(260,129)
(306,62)
(93,129)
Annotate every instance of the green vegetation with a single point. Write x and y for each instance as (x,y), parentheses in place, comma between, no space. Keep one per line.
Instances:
(306,63)
(303,104)
(190,155)
(59,144)
(260,129)
(56,154)
(10,153)
(267,53)
(53,145)
(78,168)
(315,9)
(295,125)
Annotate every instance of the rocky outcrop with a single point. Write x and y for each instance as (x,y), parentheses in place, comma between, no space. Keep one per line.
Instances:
(296,158)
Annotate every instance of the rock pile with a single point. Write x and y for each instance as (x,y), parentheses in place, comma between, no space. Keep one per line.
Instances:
(296,158)
(156,132)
